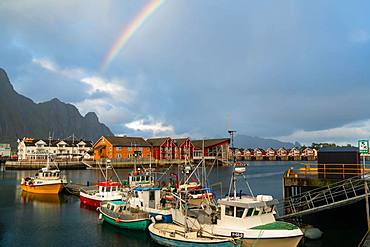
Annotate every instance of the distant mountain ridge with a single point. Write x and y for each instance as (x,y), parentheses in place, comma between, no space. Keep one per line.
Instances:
(21,117)
(244,141)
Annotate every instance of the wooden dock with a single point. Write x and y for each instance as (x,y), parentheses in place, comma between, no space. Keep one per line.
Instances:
(74,189)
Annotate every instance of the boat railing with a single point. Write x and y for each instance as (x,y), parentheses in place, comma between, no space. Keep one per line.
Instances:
(131,214)
(91,190)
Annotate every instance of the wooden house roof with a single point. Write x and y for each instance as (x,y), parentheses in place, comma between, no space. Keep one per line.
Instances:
(209,142)
(127,141)
(155,142)
(180,141)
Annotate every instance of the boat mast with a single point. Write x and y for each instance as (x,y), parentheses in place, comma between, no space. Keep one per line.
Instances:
(233,179)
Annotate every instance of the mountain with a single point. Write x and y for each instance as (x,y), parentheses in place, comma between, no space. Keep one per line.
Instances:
(21,117)
(244,141)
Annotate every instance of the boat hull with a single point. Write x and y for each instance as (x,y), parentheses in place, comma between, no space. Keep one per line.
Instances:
(275,242)
(92,202)
(159,238)
(43,189)
(140,224)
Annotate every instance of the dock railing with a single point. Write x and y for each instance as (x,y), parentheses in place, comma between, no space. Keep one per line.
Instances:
(327,171)
(336,194)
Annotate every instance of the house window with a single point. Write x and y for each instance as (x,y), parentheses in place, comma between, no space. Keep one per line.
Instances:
(118,148)
(129,148)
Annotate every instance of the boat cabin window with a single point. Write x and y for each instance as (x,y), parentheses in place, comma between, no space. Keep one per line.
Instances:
(136,194)
(108,189)
(239,212)
(120,209)
(250,212)
(229,210)
(151,195)
(114,189)
(267,210)
(256,211)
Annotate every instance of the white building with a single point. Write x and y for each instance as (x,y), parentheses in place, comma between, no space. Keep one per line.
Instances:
(38,149)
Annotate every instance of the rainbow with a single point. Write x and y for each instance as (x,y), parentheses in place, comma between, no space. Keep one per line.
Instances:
(128,31)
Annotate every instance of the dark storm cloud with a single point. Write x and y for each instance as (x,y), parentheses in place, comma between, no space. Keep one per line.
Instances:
(264,68)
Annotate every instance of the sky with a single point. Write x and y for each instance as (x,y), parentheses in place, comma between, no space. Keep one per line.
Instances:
(290,70)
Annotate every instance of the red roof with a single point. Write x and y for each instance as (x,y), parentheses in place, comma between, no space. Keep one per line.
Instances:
(108,184)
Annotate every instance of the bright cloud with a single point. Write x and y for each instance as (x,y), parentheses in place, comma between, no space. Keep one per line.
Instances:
(359,36)
(150,125)
(110,106)
(349,133)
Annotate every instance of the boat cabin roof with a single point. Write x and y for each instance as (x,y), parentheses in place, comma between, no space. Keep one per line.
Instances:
(108,184)
(47,170)
(146,188)
(118,202)
(246,202)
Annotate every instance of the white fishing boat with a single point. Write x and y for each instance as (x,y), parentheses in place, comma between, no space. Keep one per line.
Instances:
(104,191)
(150,200)
(249,217)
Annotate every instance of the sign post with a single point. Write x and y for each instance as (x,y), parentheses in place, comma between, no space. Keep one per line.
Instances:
(363,148)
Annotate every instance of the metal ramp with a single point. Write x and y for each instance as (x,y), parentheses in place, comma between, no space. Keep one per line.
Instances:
(334,195)
(86,164)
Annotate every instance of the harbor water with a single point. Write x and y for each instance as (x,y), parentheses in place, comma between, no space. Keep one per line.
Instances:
(44,220)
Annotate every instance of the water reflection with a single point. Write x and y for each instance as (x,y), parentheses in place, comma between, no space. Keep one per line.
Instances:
(38,199)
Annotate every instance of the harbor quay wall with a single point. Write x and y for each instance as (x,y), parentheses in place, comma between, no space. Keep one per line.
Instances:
(16,165)
(74,165)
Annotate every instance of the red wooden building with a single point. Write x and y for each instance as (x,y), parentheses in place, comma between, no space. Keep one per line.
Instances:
(163,148)
(184,148)
(216,148)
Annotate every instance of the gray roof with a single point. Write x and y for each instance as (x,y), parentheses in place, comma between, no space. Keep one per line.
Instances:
(208,142)
(126,141)
(180,141)
(53,143)
(157,141)
(338,150)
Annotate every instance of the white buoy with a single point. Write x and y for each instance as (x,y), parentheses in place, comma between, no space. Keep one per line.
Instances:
(312,233)
(158,217)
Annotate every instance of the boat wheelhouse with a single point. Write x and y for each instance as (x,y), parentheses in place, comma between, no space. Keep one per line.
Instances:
(139,178)
(149,199)
(106,191)
(121,214)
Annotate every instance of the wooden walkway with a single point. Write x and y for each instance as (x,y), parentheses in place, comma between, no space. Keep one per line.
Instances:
(74,189)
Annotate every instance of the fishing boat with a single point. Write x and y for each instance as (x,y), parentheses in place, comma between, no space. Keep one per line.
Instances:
(246,216)
(120,214)
(150,200)
(174,235)
(45,181)
(106,191)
